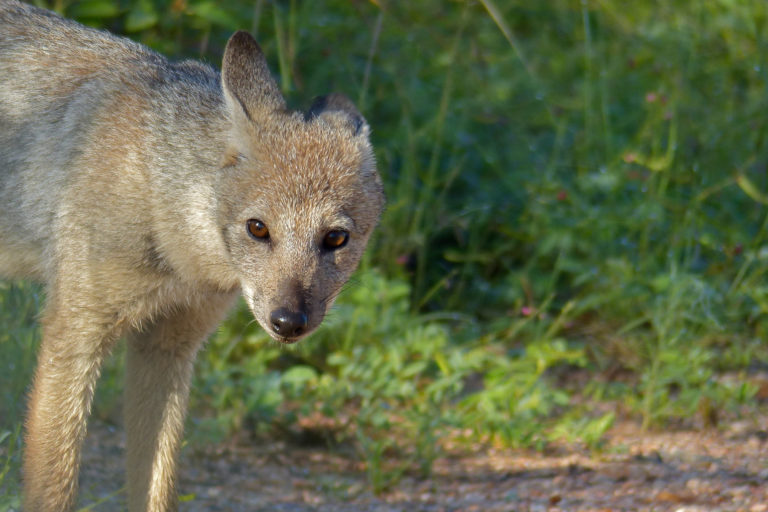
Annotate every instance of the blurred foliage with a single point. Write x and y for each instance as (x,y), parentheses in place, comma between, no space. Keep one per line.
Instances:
(577,216)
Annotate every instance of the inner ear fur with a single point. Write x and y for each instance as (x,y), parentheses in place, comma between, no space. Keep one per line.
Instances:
(338,105)
(245,78)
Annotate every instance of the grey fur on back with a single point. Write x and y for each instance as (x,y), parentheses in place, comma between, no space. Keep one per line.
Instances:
(57,84)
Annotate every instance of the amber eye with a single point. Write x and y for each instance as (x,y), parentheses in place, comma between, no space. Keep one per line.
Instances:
(257,229)
(335,239)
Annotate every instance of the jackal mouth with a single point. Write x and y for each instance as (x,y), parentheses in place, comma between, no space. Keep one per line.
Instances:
(269,328)
(283,339)
(287,341)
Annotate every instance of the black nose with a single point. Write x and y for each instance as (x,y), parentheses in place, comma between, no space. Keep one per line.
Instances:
(288,323)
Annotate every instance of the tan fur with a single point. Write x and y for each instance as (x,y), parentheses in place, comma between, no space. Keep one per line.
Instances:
(127,183)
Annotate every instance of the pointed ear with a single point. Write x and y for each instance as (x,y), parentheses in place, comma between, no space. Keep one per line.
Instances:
(338,106)
(248,86)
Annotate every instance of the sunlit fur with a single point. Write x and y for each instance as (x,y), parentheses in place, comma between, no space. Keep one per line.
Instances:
(126,182)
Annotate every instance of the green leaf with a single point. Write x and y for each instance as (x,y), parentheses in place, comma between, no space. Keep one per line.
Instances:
(141,17)
(750,189)
(94,9)
(213,13)
(299,376)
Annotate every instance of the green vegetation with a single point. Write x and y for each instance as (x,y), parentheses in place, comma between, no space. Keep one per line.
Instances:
(576,226)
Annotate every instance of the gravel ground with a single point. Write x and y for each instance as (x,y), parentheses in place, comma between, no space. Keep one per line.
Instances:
(682,471)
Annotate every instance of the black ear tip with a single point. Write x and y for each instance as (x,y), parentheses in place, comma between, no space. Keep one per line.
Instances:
(243,39)
(318,105)
(336,102)
(241,35)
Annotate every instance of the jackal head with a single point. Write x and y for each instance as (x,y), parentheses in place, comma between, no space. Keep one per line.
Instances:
(299,195)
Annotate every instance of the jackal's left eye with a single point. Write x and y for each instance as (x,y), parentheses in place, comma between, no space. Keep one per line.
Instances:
(335,239)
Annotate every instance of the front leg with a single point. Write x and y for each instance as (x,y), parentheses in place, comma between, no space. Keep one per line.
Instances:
(158,371)
(75,341)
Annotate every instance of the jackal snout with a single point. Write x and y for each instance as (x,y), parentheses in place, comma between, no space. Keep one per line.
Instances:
(289,318)
(289,323)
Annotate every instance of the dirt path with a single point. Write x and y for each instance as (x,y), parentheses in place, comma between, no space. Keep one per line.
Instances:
(687,471)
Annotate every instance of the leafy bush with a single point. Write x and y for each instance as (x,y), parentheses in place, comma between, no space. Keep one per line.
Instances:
(576,192)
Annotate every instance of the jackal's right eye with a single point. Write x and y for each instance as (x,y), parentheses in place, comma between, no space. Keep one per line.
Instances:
(257,229)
